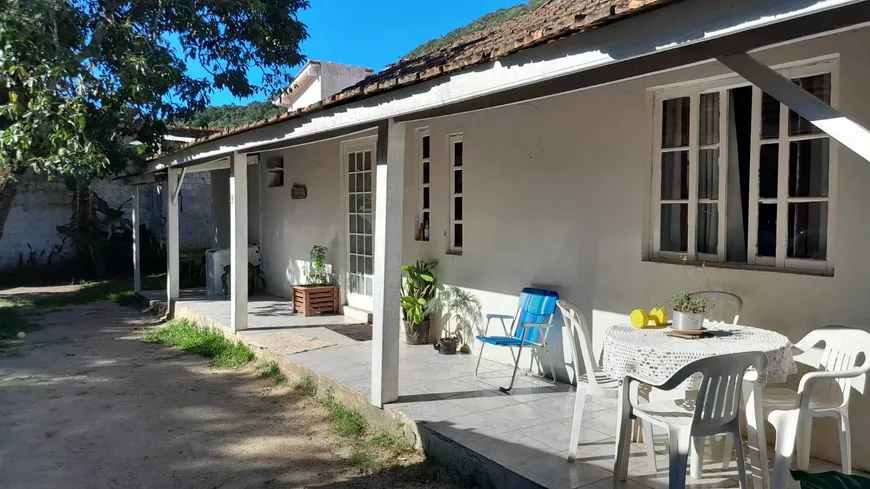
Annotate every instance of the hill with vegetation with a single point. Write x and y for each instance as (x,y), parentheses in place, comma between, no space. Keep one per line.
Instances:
(223,116)
(477,25)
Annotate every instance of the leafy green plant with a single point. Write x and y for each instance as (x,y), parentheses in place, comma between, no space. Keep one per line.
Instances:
(208,342)
(315,272)
(463,311)
(683,302)
(418,289)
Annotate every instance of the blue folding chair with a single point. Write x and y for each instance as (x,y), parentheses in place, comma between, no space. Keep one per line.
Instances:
(535,313)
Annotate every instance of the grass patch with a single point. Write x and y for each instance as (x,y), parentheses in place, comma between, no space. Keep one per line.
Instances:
(305,386)
(12,321)
(271,370)
(370,451)
(208,342)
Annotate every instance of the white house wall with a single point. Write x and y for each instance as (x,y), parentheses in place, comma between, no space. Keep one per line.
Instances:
(557,193)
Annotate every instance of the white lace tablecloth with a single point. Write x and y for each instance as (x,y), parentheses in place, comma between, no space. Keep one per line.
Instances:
(652,354)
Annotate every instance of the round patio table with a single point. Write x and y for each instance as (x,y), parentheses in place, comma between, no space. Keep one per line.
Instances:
(650,353)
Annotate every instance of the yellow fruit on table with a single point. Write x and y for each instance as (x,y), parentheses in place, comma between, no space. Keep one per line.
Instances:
(659,315)
(639,318)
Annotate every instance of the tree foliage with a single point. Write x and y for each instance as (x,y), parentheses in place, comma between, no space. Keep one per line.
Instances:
(223,116)
(82,78)
(474,26)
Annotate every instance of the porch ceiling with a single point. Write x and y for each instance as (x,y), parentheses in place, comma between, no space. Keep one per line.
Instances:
(682,34)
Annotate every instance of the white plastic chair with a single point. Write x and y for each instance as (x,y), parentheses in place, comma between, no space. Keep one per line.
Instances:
(594,382)
(715,410)
(822,393)
(726,306)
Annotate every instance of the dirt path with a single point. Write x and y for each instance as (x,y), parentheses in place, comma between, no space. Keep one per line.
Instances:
(84,403)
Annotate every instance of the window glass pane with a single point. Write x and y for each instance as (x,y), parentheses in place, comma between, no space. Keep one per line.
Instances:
(369,267)
(425,146)
(708,119)
(367,187)
(820,86)
(457,235)
(766,229)
(808,168)
(351,183)
(707,230)
(457,154)
(426,172)
(675,227)
(768,170)
(367,221)
(351,158)
(368,161)
(351,284)
(708,174)
(351,200)
(368,247)
(360,244)
(675,122)
(352,263)
(675,175)
(457,208)
(457,181)
(352,244)
(769,117)
(425,197)
(360,185)
(352,219)
(808,230)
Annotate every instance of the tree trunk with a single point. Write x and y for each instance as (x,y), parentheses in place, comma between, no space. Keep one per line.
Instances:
(8,189)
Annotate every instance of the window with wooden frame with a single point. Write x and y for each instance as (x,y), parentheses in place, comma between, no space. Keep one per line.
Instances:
(739,178)
(424,183)
(456,230)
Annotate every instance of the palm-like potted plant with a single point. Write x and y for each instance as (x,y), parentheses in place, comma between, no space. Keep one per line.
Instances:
(418,289)
(463,312)
(689,312)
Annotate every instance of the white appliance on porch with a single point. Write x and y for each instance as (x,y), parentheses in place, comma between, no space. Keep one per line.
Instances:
(216,260)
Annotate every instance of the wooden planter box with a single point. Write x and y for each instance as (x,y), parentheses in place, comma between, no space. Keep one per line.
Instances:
(309,299)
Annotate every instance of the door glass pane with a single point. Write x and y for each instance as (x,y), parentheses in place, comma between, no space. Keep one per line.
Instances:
(808,168)
(675,175)
(820,86)
(352,243)
(768,171)
(766,229)
(707,230)
(368,283)
(708,174)
(367,186)
(769,117)
(708,119)
(369,267)
(675,122)
(352,223)
(675,227)
(808,230)
(353,264)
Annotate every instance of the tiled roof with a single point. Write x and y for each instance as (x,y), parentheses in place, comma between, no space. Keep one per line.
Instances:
(555,19)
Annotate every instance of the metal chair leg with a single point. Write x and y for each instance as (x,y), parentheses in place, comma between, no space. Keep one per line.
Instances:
(513,377)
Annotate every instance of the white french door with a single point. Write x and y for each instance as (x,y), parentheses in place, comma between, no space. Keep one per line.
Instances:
(359,182)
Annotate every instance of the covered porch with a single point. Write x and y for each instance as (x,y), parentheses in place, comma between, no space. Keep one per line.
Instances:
(553,152)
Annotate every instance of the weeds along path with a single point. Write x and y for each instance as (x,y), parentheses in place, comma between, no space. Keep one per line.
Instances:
(85,403)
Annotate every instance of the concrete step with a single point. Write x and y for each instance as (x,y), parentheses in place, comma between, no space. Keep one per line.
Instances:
(357,314)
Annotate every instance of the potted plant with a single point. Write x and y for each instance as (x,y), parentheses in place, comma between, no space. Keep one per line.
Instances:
(320,294)
(418,289)
(688,312)
(463,313)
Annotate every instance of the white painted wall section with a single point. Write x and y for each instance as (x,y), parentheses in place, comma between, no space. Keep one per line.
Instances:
(137,241)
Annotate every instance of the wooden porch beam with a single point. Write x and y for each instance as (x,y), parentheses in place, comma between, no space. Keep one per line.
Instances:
(389,182)
(846,131)
(238,241)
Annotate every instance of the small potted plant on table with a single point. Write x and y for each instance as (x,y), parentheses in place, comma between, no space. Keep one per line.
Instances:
(320,294)
(417,290)
(463,312)
(689,312)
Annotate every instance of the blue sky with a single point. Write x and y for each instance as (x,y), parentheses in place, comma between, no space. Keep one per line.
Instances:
(374,33)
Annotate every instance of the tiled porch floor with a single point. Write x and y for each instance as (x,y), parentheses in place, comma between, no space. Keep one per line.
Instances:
(527,431)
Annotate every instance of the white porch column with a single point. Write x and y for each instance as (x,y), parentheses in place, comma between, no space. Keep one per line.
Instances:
(172,273)
(389,182)
(238,241)
(849,133)
(135,220)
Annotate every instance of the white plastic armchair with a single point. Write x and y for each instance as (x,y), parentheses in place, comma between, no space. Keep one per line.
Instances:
(822,393)
(726,306)
(715,410)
